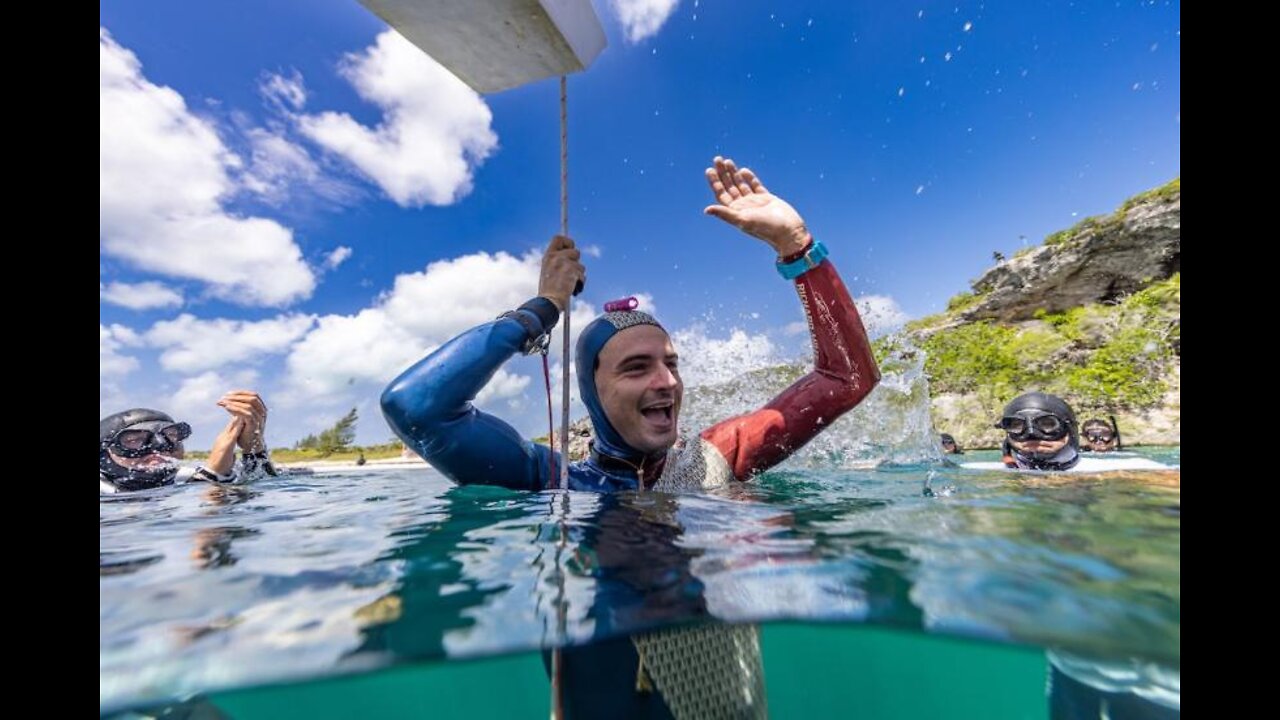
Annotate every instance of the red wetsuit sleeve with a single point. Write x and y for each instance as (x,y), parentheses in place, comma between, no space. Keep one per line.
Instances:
(844,373)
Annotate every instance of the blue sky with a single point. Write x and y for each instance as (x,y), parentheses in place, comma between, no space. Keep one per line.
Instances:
(295,199)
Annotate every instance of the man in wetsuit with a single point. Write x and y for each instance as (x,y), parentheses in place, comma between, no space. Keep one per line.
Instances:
(629,380)
(629,377)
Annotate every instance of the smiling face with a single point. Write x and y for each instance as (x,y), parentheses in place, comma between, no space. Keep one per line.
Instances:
(151,460)
(638,381)
(1039,448)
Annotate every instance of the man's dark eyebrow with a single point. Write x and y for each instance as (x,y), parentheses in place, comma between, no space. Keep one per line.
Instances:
(646,357)
(637,356)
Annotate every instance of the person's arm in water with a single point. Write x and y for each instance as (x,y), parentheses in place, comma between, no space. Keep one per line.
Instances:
(844,368)
(255,457)
(246,429)
(222,457)
(429,405)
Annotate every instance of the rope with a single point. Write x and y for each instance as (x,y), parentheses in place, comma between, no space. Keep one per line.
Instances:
(564,230)
(557,662)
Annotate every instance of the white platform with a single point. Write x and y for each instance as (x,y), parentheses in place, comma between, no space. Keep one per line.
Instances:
(495,45)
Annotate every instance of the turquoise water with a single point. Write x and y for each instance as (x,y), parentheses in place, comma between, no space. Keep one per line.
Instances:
(811,671)
(928,579)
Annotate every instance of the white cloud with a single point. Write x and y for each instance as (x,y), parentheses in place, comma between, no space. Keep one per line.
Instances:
(194,402)
(435,129)
(276,165)
(880,314)
(111,362)
(453,295)
(337,257)
(503,385)
(127,335)
(140,296)
(646,304)
(279,167)
(113,365)
(421,311)
(643,18)
(347,357)
(193,345)
(795,328)
(338,361)
(287,93)
(592,251)
(163,175)
(367,348)
(196,394)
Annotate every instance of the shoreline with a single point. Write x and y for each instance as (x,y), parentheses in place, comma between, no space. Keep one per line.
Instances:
(316,466)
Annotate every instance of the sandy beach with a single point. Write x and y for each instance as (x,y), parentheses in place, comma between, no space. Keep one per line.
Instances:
(328,466)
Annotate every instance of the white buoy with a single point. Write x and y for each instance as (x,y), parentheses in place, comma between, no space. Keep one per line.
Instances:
(495,45)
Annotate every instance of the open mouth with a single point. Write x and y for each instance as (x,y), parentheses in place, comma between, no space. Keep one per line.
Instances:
(153,459)
(661,415)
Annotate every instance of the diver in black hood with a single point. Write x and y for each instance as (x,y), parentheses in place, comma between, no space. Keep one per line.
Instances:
(949,445)
(1100,435)
(139,449)
(1040,433)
